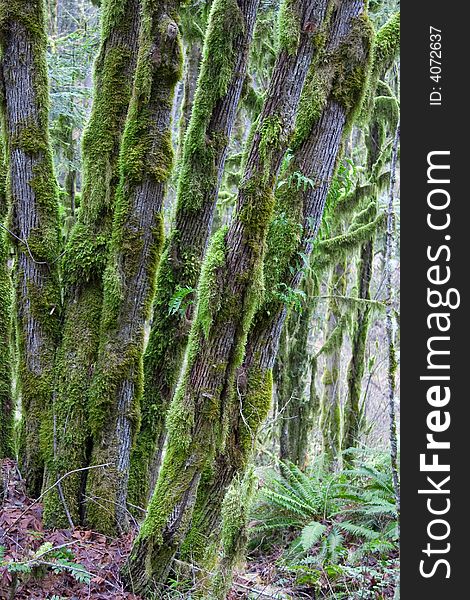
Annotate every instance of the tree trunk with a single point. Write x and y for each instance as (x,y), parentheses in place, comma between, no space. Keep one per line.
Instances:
(330,418)
(352,410)
(227,297)
(219,88)
(146,163)
(293,394)
(386,50)
(191,72)
(86,256)
(34,206)
(323,116)
(6,306)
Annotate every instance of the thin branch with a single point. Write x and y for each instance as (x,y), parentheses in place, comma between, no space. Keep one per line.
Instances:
(51,487)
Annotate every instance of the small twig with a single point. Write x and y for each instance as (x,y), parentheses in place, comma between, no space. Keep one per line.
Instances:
(25,242)
(39,498)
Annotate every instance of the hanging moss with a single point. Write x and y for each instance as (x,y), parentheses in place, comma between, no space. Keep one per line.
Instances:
(385,52)
(329,250)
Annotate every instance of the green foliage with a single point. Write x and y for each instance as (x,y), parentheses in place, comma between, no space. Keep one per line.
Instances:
(179,302)
(348,515)
(46,559)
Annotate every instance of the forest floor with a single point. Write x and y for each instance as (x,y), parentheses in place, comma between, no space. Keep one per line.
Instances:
(79,564)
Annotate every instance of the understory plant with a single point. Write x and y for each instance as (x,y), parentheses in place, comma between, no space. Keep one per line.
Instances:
(332,526)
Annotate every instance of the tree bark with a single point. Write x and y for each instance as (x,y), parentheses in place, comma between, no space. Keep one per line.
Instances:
(227,297)
(193,61)
(223,71)
(86,256)
(323,117)
(145,164)
(34,221)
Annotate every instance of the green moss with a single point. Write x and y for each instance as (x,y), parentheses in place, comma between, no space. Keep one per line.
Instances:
(312,102)
(198,181)
(289,27)
(208,297)
(354,59)
(331,249)
(385,52)
(256,404)
(234,534)
(146,160)
(202,145)
(86,253)
(6,354)
(35,273)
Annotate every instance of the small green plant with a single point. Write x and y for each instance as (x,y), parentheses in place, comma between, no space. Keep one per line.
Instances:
(47,558)
(179,302)
(329,523)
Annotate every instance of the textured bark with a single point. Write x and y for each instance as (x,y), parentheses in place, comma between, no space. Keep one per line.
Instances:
(220,83)
(146,163)
(323,118)
(34,220)
(86,255)
(227,297)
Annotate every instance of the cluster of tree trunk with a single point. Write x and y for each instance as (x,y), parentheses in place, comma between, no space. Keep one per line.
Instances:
(143,361)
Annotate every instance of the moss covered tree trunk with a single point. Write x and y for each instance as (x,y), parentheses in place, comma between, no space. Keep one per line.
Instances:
(146,162)
(352,409)
(294,393)
(6,350)
(86,255)
(387,45)
(331,97)
(34,219)
(223,70)
(193,59)
(228,294)
(330,418)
